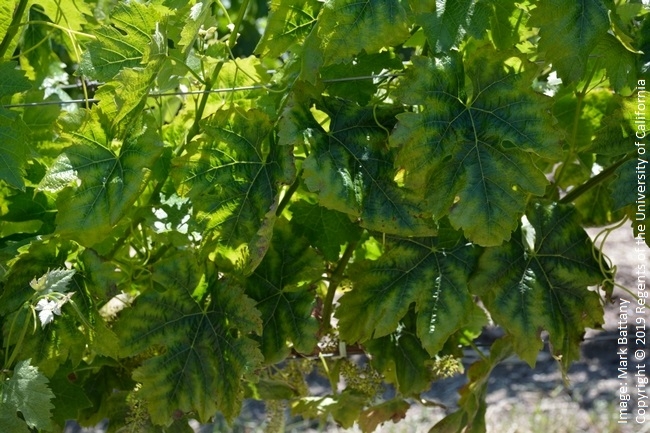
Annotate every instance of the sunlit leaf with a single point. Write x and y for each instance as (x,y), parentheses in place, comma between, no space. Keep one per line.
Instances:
(539,281)
(470,151)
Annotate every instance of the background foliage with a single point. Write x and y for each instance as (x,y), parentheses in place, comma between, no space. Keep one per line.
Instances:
(251,191)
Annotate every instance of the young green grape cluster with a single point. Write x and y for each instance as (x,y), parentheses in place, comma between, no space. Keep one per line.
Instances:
(137,418)
(446,366)
(296,371)
(275,420)
(364,379)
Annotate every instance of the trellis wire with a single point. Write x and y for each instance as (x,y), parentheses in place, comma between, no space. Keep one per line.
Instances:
(188,92)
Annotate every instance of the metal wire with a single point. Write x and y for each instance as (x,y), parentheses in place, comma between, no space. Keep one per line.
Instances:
(188,92)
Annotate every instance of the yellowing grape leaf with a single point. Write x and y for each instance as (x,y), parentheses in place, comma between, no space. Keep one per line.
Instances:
(539,281)
(201,349)
(346,27)
(234,174)
(470,149)
(431,273)
(106,176)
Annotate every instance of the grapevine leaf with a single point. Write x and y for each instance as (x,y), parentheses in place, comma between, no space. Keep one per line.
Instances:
(539,281)
(35,260)
(280,285)
(69,398)
(346,27)
(470,418)
(204,353)
(108,181)
(569,32)
(27,392)
(233,175)
(326,229)
(394,410)
(9,420)
(12,80)
(363,65)
(126,43)
(289,23)
(620,192)
(351,170)
(195,17)
(431,273)
(13,148)
(471,149)
(621,64)
(401,358)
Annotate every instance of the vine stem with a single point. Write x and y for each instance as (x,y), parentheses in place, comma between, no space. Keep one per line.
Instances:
(13,27)
(337,277)
(592,182)
(232,40)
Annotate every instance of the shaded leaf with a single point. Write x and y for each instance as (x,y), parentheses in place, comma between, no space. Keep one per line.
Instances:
(326,229)
(539,281)
(14,148)
(12,80)
(569,32)
(280,285)
(351,170)
(471,150)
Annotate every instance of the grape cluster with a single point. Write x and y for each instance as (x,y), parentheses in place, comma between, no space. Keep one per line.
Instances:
(296,370)
(275,420)
(364,379)
(446,366)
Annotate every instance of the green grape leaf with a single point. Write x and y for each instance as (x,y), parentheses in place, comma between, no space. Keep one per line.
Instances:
(471,149)
(620,64)
(539,281)
(14,148)
(204,348)
(27,392)
(569,32)
(233,176)
(192,19)
(71,14)
(401,359)
(470,417)
(431,273)
(69,398)
(346,27)
(326,229)
(351,170)
(620,192)
(106,180)
(9,420)
(12,80)
(336,76)
(280,286)
(289,23)
(126,43)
